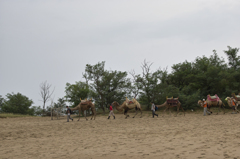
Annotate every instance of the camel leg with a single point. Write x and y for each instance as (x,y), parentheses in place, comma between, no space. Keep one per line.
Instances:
(170,111)
(177,111)
(236,109)
(164,111)
(223,109)
(183,110)
(209,110)
(125,113)
(92,114)
(79,112)
(84,115)
(135,113)
(218,107)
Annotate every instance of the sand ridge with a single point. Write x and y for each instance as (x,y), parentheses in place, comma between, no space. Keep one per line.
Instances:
(190,136)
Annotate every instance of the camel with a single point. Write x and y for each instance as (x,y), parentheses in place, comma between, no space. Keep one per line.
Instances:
(127,105)
(210,104)
(236,97)
(229,101)
(85,105)
(168,106)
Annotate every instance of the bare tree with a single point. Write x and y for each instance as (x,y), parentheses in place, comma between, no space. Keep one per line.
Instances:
(136,84)
(45,93)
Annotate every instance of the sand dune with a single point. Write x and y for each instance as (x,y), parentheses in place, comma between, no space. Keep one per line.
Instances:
(192,136)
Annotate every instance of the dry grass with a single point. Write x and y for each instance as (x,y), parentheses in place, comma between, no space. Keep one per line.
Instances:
(11,115)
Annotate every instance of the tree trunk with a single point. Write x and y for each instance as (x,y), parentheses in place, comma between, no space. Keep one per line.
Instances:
(102,105)
(103,108)
(51,114)
(57,113)
(43,109)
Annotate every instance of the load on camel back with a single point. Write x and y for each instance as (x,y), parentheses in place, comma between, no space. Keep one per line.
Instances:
(172,101)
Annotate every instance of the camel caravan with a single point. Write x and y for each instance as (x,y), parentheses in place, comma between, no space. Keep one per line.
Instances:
(211,101)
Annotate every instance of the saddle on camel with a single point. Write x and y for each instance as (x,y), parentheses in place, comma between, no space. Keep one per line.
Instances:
(85,102)
(130,102)
(214,98)
(172,101)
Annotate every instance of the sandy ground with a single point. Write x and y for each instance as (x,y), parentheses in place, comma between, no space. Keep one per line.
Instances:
(192,136)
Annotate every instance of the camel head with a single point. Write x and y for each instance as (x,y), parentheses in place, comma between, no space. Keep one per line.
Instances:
(117,105)
(227,98)
(200,103)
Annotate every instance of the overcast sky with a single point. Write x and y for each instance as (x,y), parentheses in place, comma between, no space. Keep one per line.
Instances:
(53,40)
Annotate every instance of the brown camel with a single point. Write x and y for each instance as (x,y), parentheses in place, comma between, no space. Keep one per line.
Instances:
(229,101)
(210,104)
(85,105)
(168,106)
(128,105)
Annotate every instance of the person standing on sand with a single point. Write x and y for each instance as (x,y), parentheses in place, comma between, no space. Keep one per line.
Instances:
(111,112)
(233,103)
(68,114)
(153,109)
(205,108)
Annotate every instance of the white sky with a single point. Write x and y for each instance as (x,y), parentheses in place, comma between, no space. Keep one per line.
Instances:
(54,40)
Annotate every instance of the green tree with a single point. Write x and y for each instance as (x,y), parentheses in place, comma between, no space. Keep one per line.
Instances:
(233,74)
(74,92)
(60,103)
(150,83)
(107,86)
(233,59)
(17,103)
(37,110)
(1,102)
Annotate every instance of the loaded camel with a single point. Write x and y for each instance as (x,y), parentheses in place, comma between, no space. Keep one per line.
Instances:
(85,105)
(230,104)
(169,104)
(213,101)
(128,105)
